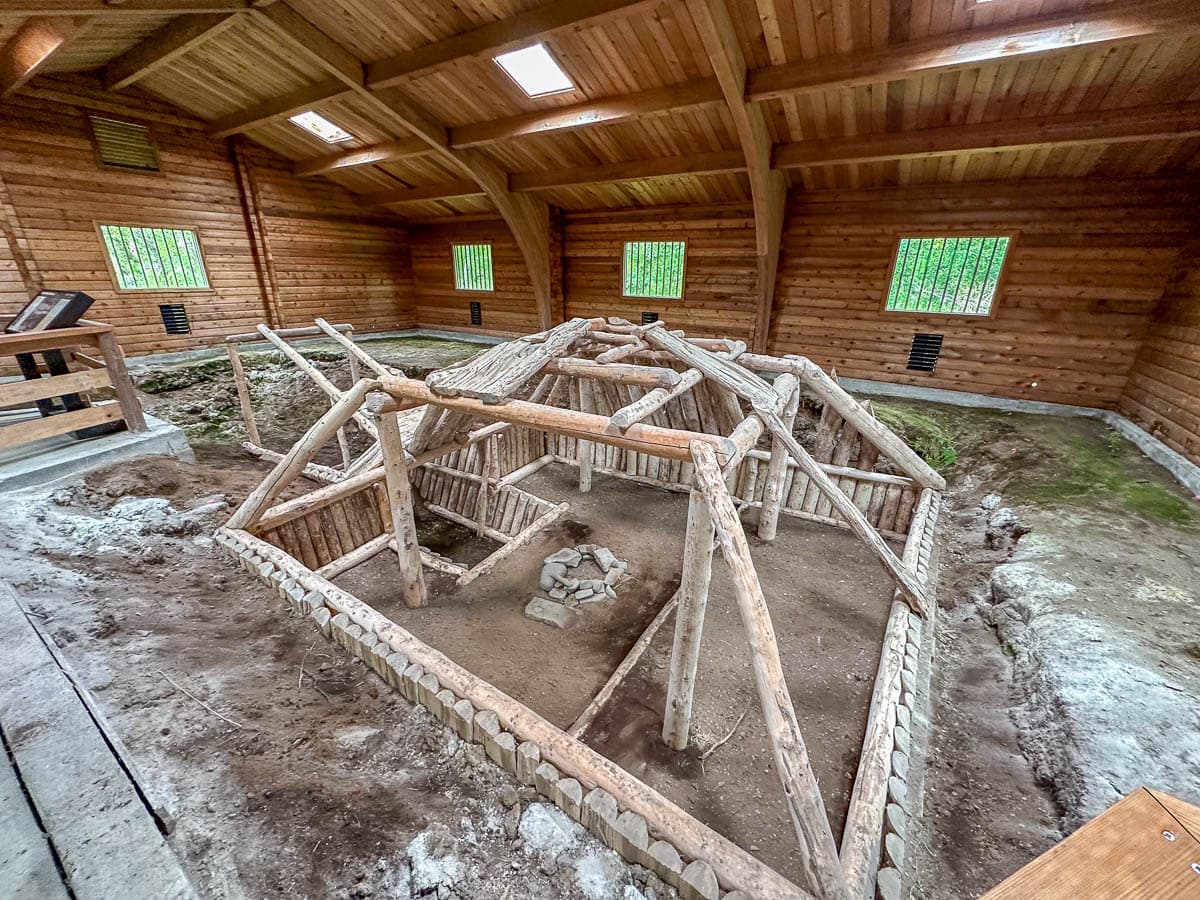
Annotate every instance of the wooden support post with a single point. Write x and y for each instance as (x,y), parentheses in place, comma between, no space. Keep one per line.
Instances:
(243,392)
(768,518)
(817,850)
(355,352)
(689,621)
(114,361)
(400,499)
(481,505)
(585,450)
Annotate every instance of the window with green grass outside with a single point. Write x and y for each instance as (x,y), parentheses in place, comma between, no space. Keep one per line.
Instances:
(653,269)
(154,259)
(951,275)
(473,267)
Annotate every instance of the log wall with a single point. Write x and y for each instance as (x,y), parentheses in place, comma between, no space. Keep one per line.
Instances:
(1090,262)
(330,261)
(1163,391)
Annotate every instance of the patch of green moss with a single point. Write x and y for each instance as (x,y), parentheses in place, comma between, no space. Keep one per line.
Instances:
(1078,467)
(185,375)
(923,432)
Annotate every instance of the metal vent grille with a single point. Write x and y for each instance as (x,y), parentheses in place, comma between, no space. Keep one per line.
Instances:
(476,312)
(924,352)
(175,318)
(648,317)
(124,145)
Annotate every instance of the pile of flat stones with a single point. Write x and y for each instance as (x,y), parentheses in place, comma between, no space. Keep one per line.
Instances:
(557,582)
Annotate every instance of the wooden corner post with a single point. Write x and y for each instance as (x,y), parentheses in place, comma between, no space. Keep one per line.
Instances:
(404,523)
(689,621)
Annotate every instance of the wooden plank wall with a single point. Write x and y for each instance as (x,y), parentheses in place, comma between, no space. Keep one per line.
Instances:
(1090,262)
(1163,391)
(59,193)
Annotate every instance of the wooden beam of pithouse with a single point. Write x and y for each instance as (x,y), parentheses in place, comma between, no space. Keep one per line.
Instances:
(27,51)
(527,217)
(768,187)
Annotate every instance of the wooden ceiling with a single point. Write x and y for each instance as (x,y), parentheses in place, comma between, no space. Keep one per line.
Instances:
(854,93)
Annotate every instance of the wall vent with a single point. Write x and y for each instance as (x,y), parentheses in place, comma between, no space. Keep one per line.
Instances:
(476,312)
(648,317)
(124,145)
(924,352)
(175,318)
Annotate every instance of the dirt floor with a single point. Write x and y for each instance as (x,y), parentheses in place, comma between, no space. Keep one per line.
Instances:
(829,606)
(1067,665)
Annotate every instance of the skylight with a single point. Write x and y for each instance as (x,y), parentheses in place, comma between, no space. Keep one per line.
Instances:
(321,127)
(535,71)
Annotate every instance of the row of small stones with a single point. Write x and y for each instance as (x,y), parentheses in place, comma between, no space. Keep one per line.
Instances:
(895,819)
(624,831)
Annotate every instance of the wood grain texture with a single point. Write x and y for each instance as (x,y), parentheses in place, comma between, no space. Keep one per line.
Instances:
(1163,391)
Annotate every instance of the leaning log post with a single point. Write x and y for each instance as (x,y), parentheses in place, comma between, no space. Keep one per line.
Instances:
(689,622)
(400,499)
(817,850)
(768,518)
(584,449)
(243,392)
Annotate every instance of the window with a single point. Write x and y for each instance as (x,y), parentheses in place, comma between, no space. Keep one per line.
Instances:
(947,275)
(535,71)
(653,269)
(123,145)
(154,259)
(473,267)
(317,124)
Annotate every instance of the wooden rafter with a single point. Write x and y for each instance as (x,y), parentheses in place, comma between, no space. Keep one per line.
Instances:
(528,218)
(33,45)
(1148,123)
(163,47)
(498,37)
(361,156)
(21,8)
(444,191)
(768,188)
(714,163)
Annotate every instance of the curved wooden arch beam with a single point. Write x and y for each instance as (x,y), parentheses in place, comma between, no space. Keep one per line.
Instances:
(768,187)
(527,217)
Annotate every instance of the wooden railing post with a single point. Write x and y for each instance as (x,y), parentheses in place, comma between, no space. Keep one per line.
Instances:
(114,361)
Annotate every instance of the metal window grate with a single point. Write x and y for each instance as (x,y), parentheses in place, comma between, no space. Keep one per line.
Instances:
(648,317)
(155,259)
(175,318)
(947,275)
(924,352)
(476,312)
(653,269)
(124,145)
(473,267)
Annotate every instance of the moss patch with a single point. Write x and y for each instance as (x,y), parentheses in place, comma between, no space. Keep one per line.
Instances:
(931,438)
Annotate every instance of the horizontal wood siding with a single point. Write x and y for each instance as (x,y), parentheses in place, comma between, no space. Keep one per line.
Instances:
(59,193)
(720,268)
(509,309)
(1163,391)
(1090,262)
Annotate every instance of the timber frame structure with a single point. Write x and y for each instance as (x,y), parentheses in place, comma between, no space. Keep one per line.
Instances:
(648,404)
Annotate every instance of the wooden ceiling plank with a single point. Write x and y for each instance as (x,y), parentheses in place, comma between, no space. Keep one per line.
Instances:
(1095,27)
(719,162)
(768,191)
(32,46)
(499,37)
(1147,123)
(444,191)
(23,8)
(605,110)
(362,156)
(173,40)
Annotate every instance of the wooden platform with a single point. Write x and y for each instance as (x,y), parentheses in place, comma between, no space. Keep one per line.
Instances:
(1146,847)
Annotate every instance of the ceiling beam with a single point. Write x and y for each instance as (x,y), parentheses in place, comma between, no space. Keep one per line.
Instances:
(717,163)
(446,191)
(1097,26)
(276,108)
(591,112)
(361,156)
(20,8)
(499,37)
(1147,123)
(163,47)
(768,191)
(527,217)
(34,43)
